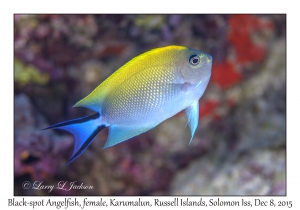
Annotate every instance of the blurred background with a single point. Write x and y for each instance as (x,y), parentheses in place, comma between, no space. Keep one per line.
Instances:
(239,147)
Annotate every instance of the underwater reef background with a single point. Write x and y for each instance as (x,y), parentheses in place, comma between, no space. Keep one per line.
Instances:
(240,144)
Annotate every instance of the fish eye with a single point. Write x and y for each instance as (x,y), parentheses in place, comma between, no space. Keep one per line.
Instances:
(194,60)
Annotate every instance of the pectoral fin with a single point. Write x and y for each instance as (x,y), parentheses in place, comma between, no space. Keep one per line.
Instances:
(192,113)
(118,134)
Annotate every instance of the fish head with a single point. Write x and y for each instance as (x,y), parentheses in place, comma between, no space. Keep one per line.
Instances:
(196,68)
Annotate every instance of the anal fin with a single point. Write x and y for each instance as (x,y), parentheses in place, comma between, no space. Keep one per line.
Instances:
(118,134)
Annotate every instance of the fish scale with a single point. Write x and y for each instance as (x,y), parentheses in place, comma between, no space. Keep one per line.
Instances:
(133,100)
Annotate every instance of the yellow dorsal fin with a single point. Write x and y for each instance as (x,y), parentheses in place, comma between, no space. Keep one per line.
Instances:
(93,101)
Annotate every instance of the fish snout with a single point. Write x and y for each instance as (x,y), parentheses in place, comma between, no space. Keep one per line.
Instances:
(209,58)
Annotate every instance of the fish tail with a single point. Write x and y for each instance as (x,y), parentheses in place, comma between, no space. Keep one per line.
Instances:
(84,130)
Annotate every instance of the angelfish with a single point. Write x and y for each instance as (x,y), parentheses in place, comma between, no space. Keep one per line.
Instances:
(144,92)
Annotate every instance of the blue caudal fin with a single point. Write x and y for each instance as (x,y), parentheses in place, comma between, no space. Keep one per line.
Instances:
(84,130)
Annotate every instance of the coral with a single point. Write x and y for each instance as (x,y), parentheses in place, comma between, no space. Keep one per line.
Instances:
(28,74)
(37,153)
